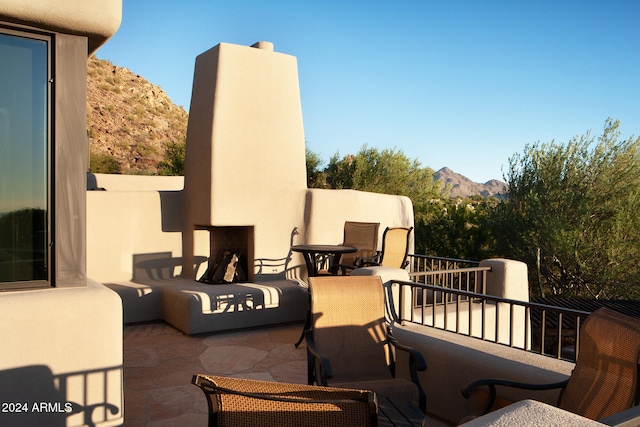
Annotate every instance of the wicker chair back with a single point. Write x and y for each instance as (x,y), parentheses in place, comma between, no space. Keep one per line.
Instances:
(236,402)
(605,379)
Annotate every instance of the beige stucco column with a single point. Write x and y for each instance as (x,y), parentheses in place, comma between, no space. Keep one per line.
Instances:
(509,279)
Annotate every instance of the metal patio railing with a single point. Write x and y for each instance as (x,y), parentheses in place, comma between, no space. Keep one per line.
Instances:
(448,300)
(421,263)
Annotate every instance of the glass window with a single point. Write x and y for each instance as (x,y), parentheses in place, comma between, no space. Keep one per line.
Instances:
(24,159)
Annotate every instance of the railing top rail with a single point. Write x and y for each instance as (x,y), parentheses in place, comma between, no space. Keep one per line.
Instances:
(545,326)
(449,271)
(437,258)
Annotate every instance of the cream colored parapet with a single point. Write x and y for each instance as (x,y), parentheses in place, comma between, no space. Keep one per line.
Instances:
(454,360)
(327,210)
(97,20)
(117,182)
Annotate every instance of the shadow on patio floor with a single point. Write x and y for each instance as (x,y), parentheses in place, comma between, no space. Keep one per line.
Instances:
(159,362)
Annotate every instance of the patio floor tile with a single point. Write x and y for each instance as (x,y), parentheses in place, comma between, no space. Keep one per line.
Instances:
(159,362)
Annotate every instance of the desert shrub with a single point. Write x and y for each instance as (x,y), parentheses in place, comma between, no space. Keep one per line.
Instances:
(103,163)
(146,150)
(173,163)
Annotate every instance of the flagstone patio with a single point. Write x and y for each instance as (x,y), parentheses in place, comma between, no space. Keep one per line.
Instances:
(159,362)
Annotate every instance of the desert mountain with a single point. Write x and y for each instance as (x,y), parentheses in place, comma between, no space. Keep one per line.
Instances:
(462,186)
(130,121)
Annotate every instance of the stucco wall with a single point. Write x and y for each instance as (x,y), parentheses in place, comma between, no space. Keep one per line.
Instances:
(123,225)
(62,347)
(135,241)
(327,210)
(455,360)
(50,356)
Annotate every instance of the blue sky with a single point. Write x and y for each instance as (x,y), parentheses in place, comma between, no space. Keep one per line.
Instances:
(462,84)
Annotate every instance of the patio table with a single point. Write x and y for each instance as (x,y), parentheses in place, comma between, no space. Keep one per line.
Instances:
(311,252)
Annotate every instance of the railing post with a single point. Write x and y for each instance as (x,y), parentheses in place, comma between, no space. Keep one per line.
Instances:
(401,309)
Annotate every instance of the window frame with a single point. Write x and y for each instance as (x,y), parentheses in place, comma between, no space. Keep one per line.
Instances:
(49,38)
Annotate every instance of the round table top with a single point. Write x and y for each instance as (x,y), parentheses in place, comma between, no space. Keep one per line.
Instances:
(331,249)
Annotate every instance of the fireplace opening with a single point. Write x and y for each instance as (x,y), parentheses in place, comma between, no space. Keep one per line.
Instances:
(236,239)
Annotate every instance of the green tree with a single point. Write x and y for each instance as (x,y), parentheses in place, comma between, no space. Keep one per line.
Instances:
(455,228)
(315,175)
(388,171)
(571,214)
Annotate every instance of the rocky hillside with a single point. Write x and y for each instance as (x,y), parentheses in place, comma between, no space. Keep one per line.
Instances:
(462,186)
(130,121)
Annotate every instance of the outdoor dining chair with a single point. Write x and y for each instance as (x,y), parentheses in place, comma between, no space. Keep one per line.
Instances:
(605,379)
(395,249)
(350,344)
(235,402)
(361,235)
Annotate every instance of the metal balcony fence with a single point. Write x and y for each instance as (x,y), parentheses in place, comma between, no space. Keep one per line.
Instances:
(420,263)
(451,295)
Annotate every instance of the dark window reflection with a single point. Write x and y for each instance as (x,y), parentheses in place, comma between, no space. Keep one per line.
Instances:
(23,159)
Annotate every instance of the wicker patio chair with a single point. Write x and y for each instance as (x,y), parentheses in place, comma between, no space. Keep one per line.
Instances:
(362,235)
(350,343)
(605,378)
(235,402)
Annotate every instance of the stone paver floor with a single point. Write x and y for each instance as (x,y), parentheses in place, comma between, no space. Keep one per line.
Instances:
(159,362)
